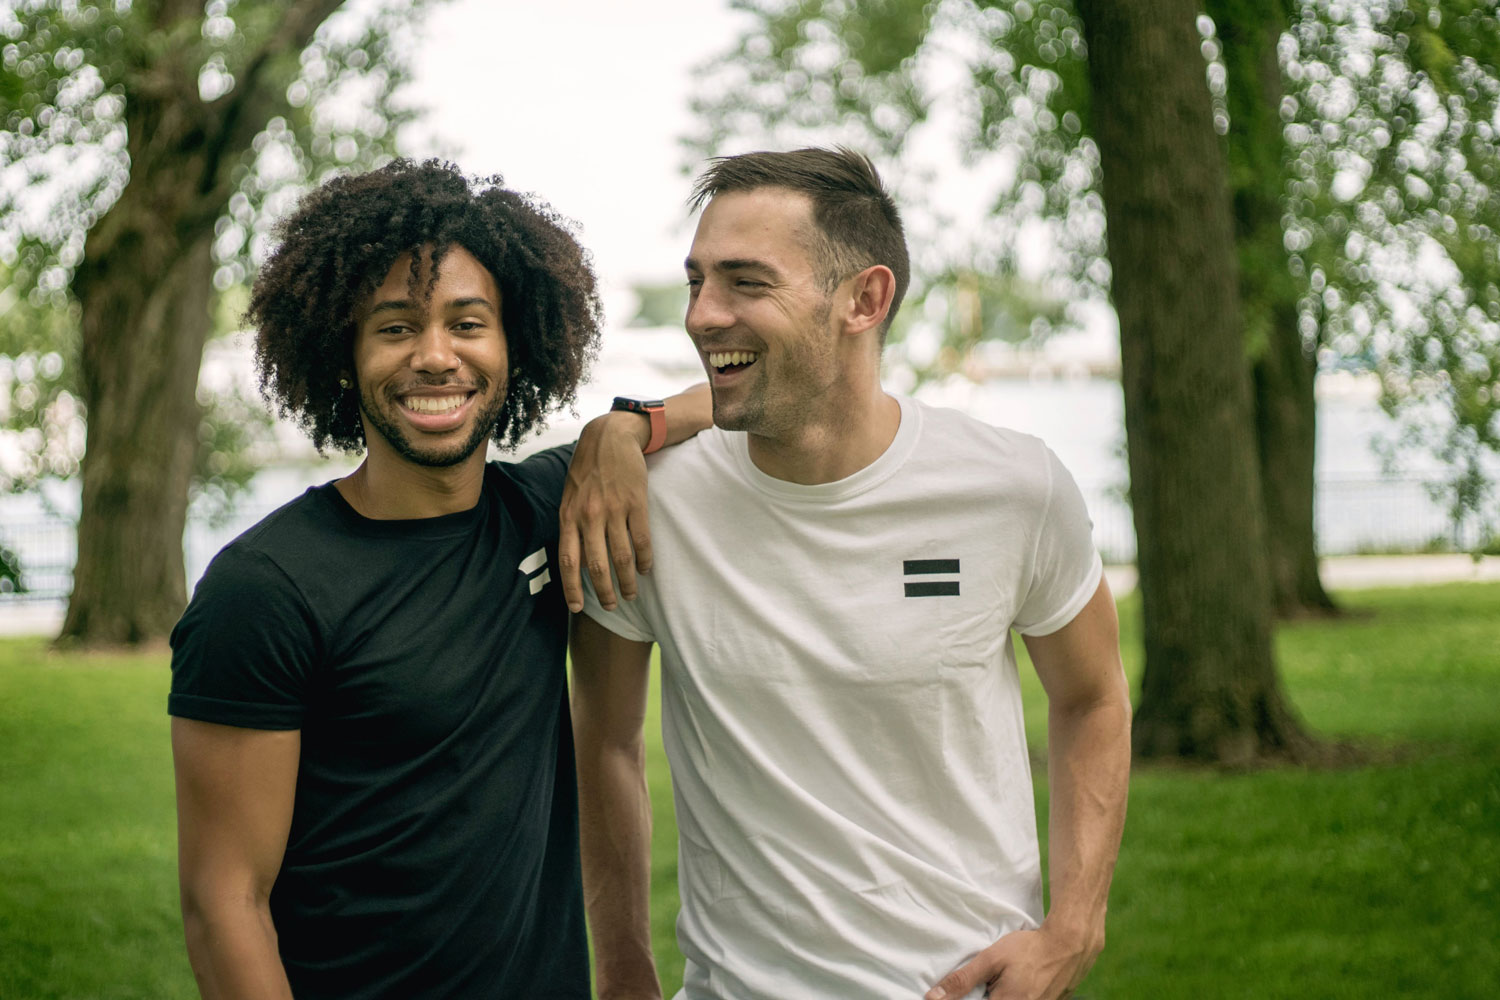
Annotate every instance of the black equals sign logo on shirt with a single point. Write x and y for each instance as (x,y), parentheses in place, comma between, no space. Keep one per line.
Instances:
(917,568)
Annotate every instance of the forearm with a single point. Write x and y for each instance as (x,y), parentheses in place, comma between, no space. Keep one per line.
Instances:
(689,412)
(232,948)
(1088,776)
(615,839)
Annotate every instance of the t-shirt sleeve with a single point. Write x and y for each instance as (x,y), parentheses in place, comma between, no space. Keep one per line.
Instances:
(544,474)
(244,651)
(1065,566)
(629,619)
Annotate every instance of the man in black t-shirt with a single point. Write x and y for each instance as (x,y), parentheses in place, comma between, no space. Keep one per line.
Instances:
(375,777)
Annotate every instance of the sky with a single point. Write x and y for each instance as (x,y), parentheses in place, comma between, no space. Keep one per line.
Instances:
(581,102)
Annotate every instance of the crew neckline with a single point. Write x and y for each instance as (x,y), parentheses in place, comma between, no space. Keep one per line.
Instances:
(439,526)
(868,478)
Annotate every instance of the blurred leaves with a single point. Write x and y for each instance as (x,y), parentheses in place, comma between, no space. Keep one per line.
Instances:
(659,304)
(83,89)
(1393,215)
(1387,163)
(234,439)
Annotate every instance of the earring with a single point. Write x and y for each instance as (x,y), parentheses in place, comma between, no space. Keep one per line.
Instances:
(344,383)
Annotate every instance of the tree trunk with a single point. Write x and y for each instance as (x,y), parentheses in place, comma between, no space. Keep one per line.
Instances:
(1210,690)
(145,320)
(1286,438)
(1283,365)
(145,287)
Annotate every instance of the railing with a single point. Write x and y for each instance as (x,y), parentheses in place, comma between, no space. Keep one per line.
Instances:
(1354,516)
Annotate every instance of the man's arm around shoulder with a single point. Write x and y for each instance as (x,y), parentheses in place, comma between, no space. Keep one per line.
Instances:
(610,675)
(1088,761)
(235,789)
(602,520)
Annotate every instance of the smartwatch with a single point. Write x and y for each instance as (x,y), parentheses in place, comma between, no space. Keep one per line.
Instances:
(654,409)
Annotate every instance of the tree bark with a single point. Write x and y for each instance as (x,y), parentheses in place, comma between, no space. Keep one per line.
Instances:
(145,288)
(1286,440)
(145,321)
(1283,364)
(1210,691)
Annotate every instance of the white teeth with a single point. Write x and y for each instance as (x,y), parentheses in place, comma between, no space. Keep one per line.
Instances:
(719,359)
(433,404)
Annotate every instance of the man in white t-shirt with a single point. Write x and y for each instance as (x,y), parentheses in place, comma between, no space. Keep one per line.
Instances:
(838,575)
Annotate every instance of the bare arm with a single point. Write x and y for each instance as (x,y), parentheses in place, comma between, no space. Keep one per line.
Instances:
(1088,760)
(234,809)
(603,518)
(610,675)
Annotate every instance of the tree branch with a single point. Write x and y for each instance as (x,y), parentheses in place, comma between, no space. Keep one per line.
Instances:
(257,95)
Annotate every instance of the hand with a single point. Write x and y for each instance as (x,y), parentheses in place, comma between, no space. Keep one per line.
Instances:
(602,518)
(1043,964)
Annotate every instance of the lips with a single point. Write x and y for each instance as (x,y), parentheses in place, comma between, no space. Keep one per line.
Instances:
(433,404)
(724,365)
(437,409)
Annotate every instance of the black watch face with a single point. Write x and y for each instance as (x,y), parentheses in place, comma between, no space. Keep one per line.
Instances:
(639,403)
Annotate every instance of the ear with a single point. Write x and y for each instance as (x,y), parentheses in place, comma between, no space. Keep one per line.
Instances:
(870,295)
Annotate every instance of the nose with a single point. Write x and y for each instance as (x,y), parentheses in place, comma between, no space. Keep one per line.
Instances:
(708,310)
(434,351)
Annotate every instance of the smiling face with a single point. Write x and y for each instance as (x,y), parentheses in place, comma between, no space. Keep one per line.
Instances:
(759,310)
(431,365)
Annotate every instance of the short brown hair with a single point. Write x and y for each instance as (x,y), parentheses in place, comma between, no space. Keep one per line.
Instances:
(858,224)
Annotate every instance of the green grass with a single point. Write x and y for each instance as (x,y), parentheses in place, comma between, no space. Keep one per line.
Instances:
(88,842)
(1376,881)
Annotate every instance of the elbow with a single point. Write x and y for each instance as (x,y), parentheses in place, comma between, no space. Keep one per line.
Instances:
(213,913)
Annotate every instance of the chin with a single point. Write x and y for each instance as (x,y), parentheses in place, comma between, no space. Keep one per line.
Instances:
(730,420)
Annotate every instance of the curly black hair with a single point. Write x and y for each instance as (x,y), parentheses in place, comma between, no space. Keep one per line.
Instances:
(343,239)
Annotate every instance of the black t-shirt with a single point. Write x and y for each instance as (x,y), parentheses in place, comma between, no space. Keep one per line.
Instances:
(433,849)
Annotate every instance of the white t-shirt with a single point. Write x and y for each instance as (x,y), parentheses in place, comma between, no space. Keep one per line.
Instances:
(840,701)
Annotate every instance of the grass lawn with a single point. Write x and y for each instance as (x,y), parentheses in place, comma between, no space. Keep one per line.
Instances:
(1370,882)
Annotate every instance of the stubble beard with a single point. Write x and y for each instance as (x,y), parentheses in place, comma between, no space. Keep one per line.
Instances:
(777,403)
(386,427)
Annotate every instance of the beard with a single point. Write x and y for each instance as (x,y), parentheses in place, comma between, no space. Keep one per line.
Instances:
(485,421)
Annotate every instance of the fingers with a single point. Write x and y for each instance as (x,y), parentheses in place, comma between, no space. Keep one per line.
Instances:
(567,566)
(621,556)
(591,539)
(639,526)
(596,560)
(963,979)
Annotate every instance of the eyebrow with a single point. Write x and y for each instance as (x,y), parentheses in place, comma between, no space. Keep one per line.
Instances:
(407,305)
(735,264)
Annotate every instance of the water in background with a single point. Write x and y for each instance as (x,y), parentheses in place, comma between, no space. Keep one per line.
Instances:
(1082,419)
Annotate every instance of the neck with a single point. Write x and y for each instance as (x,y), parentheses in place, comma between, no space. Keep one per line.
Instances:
(840,433)
(387,487)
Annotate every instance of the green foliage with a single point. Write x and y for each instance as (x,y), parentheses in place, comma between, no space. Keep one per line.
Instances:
(660,305)
(1001,83)
(11,579)
(233,439)
(1393,216)
(70,76)
(1372,183)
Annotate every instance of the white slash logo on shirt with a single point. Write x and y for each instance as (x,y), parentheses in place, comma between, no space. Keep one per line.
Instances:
(536,561)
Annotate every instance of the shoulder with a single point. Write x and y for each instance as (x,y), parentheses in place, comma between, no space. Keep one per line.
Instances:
(541,473)
(707,454)
(978,451)
(534,483)
(266,547)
